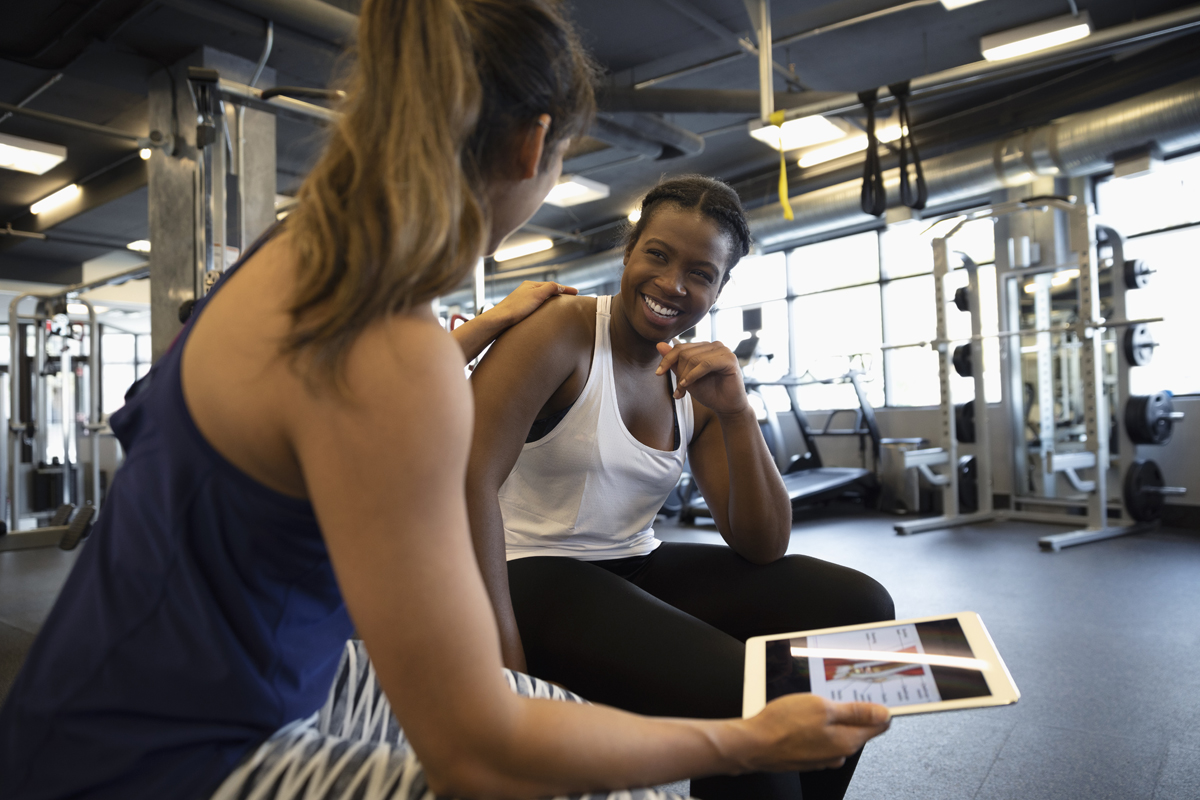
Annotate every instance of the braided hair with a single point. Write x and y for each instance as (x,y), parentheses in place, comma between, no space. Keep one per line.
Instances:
(713,198)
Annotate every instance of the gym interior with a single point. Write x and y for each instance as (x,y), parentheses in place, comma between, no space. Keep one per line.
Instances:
(964,324)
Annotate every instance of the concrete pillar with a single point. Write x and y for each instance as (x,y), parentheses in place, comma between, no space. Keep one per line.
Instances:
(173,194)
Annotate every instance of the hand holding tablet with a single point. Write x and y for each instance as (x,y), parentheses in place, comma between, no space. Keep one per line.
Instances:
(911,666)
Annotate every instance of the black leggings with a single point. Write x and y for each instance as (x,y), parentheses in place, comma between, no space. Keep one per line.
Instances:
(664,635)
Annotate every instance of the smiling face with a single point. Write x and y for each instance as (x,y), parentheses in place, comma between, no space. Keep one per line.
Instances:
(673,272)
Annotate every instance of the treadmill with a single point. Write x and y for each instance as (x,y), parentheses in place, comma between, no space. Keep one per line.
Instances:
(807,479)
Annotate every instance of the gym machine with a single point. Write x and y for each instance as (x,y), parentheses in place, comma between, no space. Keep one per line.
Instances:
(1094,376)
(65,356)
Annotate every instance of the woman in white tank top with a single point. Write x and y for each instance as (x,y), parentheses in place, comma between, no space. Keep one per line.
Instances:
(585,414)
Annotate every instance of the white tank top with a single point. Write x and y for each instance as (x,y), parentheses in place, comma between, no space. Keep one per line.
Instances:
(588,489)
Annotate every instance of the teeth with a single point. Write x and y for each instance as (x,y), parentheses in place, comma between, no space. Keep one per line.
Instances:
(662,311)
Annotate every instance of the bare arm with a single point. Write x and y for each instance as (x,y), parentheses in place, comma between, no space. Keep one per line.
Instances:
(384,470)
(728,456)
(474,335)
(520,374)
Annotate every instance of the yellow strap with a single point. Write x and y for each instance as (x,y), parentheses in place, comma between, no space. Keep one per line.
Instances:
(777,121)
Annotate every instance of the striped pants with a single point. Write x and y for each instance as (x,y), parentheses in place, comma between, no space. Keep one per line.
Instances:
(354,749)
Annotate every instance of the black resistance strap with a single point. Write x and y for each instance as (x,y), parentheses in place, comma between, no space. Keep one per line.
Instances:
(874,195)
(908,149)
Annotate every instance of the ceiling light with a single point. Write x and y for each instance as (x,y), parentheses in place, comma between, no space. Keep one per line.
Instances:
(953,4)
(523,249)
(635,215)
(61,197)
(1064,277)
(847,146)
(78,309)
(27,155)
(1038,36)
(144,153)
(140,246)
(575,189)
(795,133)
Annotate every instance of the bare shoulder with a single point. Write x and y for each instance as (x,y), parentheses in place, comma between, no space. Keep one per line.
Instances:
(560,330)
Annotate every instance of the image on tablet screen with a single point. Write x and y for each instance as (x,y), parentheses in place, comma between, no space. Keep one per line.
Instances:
(896,665)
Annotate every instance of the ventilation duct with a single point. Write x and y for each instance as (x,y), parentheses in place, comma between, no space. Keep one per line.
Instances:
(1080,144)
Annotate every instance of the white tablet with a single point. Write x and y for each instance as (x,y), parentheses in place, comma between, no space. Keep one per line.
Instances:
(912,666)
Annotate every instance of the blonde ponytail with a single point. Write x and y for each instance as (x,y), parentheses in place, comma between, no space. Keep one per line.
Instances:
(392,214)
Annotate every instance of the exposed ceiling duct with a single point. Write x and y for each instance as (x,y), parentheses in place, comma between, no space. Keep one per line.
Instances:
(1080,144)
(312,17)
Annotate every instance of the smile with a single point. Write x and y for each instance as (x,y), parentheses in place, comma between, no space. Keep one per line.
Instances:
(660,310)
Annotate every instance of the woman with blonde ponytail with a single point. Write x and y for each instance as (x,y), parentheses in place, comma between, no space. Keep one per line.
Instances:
(295,474)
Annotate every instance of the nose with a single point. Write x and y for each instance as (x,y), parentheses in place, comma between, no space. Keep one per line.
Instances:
(670,280)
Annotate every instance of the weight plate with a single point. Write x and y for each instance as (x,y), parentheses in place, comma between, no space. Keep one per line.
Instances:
(1139,345)
(1148,418)
(1137,274)
(962,360)
(968,485)
(964,422)
(1143,505)
(962,300)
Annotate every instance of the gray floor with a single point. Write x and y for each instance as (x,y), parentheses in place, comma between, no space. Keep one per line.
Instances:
(1103,641)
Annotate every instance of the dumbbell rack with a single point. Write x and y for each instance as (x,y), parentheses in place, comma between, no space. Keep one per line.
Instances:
(1089,328)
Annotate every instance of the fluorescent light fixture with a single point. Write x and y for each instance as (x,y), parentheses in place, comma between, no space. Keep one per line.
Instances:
(795,133)
(953,4)
(144,153)
(635,215)
(523,249)
(1035,37)
(140,246)
(77,308)
(847,146)
(59,198)
(27,155)
(573,190)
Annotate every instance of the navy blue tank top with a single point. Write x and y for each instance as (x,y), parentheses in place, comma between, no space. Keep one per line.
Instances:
(201,616)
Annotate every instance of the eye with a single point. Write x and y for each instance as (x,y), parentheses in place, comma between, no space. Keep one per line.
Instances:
(656,253)
(703,274)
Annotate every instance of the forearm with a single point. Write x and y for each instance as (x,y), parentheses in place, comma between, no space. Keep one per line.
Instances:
(555,748)
(759,511)
(487,538)
(474,335)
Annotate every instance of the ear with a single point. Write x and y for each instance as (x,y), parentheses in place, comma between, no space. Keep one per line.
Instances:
(532,146)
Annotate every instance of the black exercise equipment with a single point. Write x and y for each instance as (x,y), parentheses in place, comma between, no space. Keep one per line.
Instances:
(1145,490)
(1151,418)
(79,527)
(1138,345)
(806,478)
(964,422)
(1137,274)
(962,299)
(968,484)
(962,360)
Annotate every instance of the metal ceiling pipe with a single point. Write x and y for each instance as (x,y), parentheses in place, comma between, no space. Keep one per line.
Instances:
(618,135)
(1106,42)
(312,17)
(1080,144)
(642,133)
(699,101)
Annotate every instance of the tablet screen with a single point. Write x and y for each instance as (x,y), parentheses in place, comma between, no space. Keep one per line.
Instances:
(897,665)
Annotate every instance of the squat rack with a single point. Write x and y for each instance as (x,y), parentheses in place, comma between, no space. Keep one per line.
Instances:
(1089,329)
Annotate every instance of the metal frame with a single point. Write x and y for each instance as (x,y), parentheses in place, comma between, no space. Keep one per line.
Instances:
(10,455)
(1090,330)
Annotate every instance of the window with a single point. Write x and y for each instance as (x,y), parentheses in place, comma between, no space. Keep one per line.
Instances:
(125,359)
(1138,204)
(848,261)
